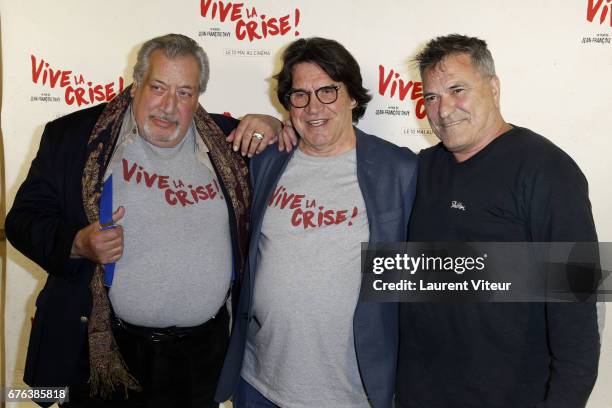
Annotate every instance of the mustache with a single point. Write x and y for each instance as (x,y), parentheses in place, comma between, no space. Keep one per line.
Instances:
(167,118)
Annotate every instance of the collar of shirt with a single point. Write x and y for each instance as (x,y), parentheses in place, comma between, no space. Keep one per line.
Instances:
(128,134)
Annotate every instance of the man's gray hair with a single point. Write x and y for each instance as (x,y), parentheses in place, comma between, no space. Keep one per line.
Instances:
(440,47)
(173,45)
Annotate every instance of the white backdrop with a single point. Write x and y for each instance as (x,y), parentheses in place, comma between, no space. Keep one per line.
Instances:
(554,60)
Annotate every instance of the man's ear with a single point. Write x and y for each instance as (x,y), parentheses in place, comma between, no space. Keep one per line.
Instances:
(495,89)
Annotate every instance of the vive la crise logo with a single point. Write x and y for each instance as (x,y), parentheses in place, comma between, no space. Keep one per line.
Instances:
(249,24)
(391,84)
(76,88)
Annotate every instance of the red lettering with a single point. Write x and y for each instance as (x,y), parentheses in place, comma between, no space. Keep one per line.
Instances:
(297,201)
(251,28)
(127,174)
(162,182)
(194,194)
(297,21)
(95,93)
(275,195)
(211,192)
(592,10)
(36,69)
(254,30)
(149,179)
(241,30)
(99,95)
(355,211)
(383,83)
(68,95)
(252,13)
(417,91)
(182,197)
(420,109)
(224,10)
(312,219)
(80,96)
(286,199)
(201,193)
(404,88)
(308,216)
(204,5)
(328,217)
(53,77)
(65,79)
(169,198)
(236,11)
(295,218)
(340,216)
(110,92)
(284,24)
(272,26)
(264,26)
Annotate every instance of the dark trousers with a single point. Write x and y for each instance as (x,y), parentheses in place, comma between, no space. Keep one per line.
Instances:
(174,371)
(246,396)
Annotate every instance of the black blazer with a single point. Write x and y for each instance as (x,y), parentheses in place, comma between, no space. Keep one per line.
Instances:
(46,215)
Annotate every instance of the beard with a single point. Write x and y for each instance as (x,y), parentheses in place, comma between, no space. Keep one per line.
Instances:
(149,131)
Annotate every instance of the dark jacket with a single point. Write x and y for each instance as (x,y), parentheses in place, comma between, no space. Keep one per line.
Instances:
(45,217)
(387,179)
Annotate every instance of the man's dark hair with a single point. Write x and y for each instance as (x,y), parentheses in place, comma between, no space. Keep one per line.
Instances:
(334,59)
(440,47)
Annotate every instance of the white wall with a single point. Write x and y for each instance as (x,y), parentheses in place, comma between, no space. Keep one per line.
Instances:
(553,81)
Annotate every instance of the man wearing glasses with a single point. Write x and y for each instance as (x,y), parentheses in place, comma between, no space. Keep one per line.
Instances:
(181,196)
(302,337)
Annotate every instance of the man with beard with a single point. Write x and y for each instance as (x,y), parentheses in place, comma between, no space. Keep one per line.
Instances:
(176,239)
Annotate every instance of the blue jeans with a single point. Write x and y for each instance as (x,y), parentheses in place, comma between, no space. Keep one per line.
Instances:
(248,397)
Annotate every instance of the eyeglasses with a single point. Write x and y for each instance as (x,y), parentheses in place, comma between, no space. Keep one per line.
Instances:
(325,94)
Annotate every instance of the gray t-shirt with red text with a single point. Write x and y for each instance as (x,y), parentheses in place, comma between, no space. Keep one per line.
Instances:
(176,265)
(300,349)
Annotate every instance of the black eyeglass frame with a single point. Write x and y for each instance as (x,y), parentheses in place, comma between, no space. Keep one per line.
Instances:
(316,92)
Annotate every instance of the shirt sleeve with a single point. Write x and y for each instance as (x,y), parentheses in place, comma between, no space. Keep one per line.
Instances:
(560,211)
(35,225)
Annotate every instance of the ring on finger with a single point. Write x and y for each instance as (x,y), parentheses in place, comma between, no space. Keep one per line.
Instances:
(258,136)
